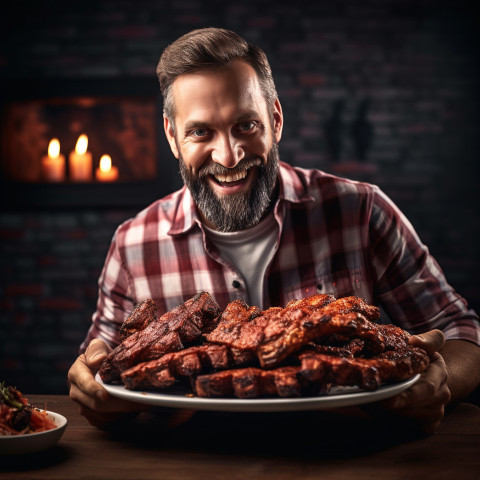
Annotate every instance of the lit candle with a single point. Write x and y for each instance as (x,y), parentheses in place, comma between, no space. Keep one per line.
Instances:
(106,172)
(80,161)
(53,164)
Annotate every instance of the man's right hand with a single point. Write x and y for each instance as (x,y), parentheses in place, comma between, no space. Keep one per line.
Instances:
(99,408)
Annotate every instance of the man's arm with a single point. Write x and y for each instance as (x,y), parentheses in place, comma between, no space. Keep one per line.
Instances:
(452,374)
(462,359)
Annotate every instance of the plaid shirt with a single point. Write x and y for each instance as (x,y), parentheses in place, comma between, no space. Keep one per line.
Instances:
(336,236)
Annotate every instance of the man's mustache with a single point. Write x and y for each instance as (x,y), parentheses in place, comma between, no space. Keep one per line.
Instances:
(216,169)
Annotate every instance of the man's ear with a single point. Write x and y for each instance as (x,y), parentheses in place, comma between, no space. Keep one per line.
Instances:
(170,134)
(277,120)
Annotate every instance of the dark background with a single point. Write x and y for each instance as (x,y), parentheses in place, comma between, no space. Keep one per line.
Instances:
(414,63)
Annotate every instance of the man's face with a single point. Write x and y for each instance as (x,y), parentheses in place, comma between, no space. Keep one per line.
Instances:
(226,143)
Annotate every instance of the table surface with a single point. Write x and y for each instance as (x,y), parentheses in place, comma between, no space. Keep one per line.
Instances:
(223,445)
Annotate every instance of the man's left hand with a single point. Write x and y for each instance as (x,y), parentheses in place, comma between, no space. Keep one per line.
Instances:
(424,402)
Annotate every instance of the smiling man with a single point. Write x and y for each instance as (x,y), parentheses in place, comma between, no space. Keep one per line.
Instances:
(248,226)
(225,137)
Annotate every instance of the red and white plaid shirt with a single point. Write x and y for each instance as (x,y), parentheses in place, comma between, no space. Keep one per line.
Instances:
(336,236)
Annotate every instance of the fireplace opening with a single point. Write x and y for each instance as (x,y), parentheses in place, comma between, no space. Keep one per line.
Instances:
(85,132)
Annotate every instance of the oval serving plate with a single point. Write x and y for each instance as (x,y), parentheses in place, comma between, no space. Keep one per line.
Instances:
(338,397)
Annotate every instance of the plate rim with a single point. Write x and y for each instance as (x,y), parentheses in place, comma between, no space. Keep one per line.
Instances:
(357,397)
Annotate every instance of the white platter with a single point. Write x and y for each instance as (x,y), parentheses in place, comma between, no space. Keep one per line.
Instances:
(34,442)
(338,397)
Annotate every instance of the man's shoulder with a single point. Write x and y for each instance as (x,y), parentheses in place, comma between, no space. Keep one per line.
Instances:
(318,183)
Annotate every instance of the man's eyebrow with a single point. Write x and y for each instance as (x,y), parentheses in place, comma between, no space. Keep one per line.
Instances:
(247,115)
(242,117)
(193,124)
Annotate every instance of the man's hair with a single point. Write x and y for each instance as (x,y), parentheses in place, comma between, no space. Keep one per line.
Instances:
(210,49)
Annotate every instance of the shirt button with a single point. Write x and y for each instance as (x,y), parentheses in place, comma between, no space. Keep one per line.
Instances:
(236,284)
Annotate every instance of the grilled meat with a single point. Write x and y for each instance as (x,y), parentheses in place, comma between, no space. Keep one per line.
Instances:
(367,373)
(141,316)
(249,329)
(254,382)
(301,349)
(163,372)
(173,331)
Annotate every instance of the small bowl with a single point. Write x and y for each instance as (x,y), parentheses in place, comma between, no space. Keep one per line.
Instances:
(34,442)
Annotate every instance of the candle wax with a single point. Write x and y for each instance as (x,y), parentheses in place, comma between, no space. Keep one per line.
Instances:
(80,166)
(107,176)
(53,168)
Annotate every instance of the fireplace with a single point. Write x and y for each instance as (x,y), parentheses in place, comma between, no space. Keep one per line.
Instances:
(84,142)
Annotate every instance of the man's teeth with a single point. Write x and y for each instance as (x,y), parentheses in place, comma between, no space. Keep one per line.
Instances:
(231,178)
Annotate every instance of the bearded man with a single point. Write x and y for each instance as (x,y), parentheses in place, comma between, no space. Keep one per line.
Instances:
(248,226)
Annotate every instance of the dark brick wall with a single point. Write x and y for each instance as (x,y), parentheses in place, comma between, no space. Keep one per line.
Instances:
(415,61)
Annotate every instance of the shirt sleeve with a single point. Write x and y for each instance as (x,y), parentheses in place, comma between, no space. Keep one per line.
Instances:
(410,285)
(114,299)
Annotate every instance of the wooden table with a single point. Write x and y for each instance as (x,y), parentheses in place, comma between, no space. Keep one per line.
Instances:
(214,445)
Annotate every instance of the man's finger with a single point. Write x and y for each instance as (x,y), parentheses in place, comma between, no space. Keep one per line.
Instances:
(431,341)
(81,376)
(96,352)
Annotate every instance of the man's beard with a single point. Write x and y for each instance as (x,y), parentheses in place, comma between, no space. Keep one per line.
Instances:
(239,211)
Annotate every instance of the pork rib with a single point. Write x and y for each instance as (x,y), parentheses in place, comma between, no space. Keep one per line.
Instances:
(244,327)
(252,383)
(279,343)
(166,370)
(144,313)
(367,373)
(171,332)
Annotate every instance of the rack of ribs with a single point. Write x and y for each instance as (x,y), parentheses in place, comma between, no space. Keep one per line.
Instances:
(168,369)
(256,382)
(301,349)
(279,332)
(245,327)
(171,332)
(368,373)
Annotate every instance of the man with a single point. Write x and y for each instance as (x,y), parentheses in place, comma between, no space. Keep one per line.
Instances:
(248,226)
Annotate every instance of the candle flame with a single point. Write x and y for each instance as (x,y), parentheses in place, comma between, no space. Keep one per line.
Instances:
(105,163)
(54,148)
(82,144)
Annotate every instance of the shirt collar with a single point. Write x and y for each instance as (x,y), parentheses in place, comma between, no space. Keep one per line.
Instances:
(186,214)
(292,189)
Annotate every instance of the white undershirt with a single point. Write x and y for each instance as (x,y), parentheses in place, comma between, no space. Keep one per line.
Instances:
(250,252)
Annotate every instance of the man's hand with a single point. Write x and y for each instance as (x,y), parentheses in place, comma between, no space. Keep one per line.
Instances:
(95,403)
(424,402)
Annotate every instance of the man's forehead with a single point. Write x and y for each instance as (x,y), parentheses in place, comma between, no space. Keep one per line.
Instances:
(206,90)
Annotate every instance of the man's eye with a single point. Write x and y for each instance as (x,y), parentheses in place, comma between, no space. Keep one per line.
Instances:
(247,126)
(199,132)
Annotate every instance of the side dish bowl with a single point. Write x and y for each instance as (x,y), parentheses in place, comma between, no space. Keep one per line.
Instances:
(34,442)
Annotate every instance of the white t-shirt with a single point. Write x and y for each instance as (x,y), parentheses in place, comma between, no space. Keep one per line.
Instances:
(250,252)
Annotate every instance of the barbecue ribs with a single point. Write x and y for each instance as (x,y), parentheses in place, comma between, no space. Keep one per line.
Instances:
(255,382)
(301,349)
(278,332)
(174,330)
(142,315)
(163,372)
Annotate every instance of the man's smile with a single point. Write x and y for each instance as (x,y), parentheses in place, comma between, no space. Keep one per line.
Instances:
(234,177)
(230,183)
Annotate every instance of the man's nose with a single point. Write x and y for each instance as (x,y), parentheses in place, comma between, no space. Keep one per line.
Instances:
(227,151)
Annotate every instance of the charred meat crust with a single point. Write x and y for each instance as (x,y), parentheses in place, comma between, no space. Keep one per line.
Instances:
(301,349)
